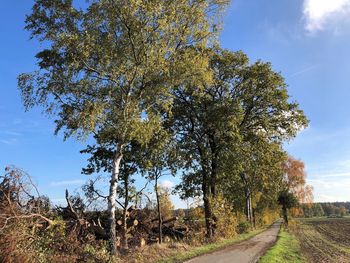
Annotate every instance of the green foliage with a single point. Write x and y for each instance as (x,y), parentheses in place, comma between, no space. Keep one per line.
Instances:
(235,124)
(287,199)
(243,227)
(147,79)
(109,67)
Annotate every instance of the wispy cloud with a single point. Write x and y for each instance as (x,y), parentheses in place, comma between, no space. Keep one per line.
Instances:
(12,133)
(304,70)
(320,13)
(331,181)
(68,182)
(9,137)
(11,141)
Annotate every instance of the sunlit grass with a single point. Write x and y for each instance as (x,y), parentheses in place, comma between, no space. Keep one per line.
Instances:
(286,250)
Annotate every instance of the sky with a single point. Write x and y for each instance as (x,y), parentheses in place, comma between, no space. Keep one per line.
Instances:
(307,41)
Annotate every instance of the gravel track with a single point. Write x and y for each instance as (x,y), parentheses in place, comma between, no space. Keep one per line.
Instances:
(248,251)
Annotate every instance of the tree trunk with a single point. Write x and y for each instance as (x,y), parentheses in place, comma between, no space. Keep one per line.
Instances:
(247,207)
(250,209)
(254,219)
(160,221)
(285,214)
(248,200)
(124,239)
(208,217)
(112,199)
(207,209)
(206,189)
(213,190)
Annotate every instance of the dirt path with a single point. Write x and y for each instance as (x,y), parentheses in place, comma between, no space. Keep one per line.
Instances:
(247,251)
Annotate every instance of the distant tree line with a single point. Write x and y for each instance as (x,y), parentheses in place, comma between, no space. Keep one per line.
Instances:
(324,209)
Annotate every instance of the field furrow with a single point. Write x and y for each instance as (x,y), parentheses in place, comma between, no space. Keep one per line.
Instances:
(325,240)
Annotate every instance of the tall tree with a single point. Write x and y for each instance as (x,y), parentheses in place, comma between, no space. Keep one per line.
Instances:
(107,68)
(261,164)
(287,200)
(295,180)
(101,160)
(158,158)
(244,103)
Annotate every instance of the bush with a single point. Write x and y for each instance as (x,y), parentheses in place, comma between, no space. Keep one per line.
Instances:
(267,217)
(243,227)
(226,220)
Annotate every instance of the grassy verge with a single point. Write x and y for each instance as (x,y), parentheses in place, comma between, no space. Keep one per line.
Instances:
(286,250)
(182,256)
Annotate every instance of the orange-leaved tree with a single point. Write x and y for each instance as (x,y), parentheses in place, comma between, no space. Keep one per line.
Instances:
(295,180)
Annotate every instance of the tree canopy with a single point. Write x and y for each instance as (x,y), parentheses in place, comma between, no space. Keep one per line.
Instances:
(233,125)
(148,81)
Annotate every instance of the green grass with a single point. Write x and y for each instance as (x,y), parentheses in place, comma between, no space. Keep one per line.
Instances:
(208,248)
(286,250)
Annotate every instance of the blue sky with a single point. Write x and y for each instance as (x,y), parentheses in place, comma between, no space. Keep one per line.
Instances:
(306,40)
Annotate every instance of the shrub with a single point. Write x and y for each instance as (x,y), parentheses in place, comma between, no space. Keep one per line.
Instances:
(243,227)
(226,220)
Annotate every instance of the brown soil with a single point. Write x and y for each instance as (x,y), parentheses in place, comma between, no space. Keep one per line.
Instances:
(325,240)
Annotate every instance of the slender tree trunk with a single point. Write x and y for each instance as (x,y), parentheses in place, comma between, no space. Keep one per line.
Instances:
(160,220)
(248,200)
(254,219)
(213,192)
(207,209)
(247,203)
(124,239)
(285,214)
(250,207)
(213,175)
(247,207)
(112,199)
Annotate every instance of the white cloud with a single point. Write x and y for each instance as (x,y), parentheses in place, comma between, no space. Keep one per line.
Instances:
(68,182)
(167,184)
(320,13)
(330,186)
(330,198)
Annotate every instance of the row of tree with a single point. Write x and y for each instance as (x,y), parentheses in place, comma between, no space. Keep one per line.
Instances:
(323,209)
(149,82)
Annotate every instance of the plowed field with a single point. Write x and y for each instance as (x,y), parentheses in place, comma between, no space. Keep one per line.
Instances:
(325,240)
